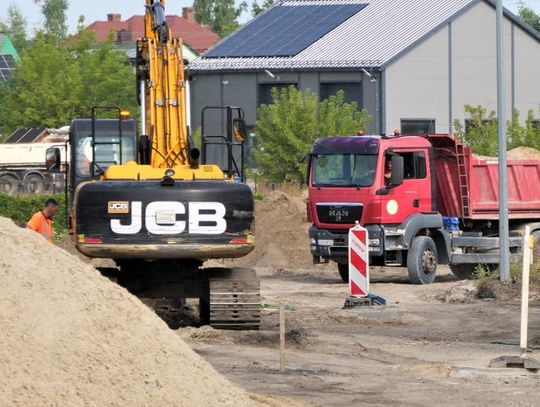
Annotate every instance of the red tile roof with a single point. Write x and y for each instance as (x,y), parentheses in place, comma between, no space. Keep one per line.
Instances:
(198,37)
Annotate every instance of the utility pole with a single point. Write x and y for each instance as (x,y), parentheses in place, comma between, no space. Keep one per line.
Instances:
(504,264)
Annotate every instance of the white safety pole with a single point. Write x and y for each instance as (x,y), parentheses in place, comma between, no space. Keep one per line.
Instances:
(527,248)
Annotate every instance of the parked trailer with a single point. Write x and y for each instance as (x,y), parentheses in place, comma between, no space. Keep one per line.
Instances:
(438,204)
(22,169)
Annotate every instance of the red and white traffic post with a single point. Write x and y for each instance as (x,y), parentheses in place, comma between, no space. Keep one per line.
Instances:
(358,261)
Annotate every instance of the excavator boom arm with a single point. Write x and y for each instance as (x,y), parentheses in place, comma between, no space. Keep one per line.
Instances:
(162,89)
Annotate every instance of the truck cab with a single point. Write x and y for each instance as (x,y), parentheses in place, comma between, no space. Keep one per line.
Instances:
(384,183)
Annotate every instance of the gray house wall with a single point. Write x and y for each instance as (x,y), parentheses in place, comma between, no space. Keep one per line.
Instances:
(242,89)
(417,84)
(456,66)
(434,79)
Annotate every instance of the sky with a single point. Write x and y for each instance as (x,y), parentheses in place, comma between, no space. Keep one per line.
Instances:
(98,9)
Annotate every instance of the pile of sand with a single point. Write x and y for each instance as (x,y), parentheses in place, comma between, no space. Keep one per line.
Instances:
(281,233)
(523,153)
(70,337)
(518,153)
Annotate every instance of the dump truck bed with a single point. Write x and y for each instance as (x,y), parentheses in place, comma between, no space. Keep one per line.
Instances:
(468,185)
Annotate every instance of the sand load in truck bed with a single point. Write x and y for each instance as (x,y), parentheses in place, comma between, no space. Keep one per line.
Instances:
(71,337)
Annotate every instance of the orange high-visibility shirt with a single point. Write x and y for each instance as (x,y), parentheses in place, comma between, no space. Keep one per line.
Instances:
(42,225)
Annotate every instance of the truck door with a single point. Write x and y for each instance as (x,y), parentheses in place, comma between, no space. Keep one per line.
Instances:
(414,195)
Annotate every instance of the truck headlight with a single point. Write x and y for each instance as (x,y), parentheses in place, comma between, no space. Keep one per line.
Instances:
(374,242)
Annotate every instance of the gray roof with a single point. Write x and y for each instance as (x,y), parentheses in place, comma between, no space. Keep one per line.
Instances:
(370,39)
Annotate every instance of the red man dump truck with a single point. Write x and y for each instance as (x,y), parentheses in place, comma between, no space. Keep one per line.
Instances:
(425,200)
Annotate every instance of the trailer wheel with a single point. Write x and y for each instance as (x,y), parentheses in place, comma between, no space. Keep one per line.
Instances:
(34,184)
(9,184)
(463,271)
(422,260)
(343,270)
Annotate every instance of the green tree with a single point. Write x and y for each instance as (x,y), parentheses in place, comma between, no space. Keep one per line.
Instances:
(54,12)
(287,128)
(15,27)
(528,15)
(55,84)
(220,15)
(46,88)
(257,9)
(481,132)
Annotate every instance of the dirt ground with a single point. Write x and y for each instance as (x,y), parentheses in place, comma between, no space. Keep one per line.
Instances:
(431,345)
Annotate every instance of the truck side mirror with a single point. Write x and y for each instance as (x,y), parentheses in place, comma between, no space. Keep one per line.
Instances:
(397,170)
(239,130)
(52,159)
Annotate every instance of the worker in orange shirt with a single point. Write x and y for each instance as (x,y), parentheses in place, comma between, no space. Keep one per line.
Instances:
(41,222)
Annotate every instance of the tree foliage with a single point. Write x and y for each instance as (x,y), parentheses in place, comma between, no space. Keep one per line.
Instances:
(220,15)
(481,131)
(287,128)
(55,84)
(15,27)
(54,12)
(528,15)
(257,9)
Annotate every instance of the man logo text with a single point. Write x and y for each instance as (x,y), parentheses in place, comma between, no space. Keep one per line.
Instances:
(160,218)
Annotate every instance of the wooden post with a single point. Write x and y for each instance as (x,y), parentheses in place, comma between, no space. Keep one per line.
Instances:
(527,249)
(282,338)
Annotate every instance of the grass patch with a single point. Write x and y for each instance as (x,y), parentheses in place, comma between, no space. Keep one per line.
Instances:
(21,208)
(488,284)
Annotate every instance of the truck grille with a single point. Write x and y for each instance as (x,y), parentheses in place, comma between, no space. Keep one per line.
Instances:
(339,213)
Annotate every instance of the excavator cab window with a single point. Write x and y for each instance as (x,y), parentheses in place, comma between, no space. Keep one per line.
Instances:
(226,150)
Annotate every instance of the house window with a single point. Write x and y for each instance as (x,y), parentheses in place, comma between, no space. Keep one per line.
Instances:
(535,124)
(265,91)
(417,126)
(469,124)
(352,91)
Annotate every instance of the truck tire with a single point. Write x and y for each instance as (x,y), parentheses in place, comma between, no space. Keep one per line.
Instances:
(9,185)
(422,260)
(463,271)
(34,184)
(343,270)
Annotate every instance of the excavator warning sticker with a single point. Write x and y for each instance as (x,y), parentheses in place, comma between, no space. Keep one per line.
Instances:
(118,207)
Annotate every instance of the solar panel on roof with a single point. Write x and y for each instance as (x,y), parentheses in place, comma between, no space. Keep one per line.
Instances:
(7,66)
(284,30)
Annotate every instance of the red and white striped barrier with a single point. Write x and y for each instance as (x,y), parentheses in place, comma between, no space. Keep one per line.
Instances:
(358,261)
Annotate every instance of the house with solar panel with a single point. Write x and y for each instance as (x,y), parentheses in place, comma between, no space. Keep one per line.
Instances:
(412,64)
(8,56)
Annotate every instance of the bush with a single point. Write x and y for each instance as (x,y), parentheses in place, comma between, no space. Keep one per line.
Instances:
(482,137)
(287,128)
(21,208)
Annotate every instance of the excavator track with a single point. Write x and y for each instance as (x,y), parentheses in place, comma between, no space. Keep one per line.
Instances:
(234,299)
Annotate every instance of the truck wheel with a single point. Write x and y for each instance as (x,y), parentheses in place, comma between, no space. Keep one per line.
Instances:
(463,271)
(9,184)
(34,184)
(422,260)
(343,270)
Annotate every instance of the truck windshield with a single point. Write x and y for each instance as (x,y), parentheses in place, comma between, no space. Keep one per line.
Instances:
(343,170)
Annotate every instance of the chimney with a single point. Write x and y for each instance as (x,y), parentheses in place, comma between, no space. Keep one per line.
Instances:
(116,18)
(188,14)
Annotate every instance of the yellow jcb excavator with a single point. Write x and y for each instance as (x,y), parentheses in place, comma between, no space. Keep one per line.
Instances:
(159,217)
